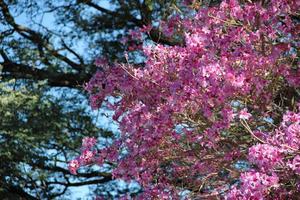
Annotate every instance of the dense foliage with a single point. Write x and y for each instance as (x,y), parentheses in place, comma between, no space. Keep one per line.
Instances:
(196,112)
(38,135)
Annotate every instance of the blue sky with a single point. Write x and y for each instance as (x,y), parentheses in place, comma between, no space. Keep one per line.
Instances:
(102,117)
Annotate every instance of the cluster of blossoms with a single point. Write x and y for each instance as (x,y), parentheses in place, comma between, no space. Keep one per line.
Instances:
(235,52)
(87,155)
(282,143)
(288,134)
(265,156)
(295,164)
(254,185)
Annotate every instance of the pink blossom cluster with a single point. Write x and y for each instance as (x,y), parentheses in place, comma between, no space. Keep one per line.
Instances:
(88,142)
(255,185)
(73,166)
(280,152)
(232,52)
(265,156)
(295,164)
(171,26)
(287,136)
(87,155)
(243,114)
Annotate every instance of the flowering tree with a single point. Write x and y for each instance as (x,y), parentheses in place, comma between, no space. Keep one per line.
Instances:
(195,112)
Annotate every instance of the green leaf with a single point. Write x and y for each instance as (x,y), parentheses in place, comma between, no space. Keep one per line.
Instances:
(149,4)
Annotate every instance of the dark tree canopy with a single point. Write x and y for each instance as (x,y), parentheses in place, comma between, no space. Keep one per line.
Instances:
(38,135)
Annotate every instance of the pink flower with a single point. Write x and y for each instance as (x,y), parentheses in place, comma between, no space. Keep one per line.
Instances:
(290,118)
(254,185)
(86,157)
(73,166)
(102,63)
(265,156)
(236,81)
(99,62)
(295,164)
(192,86)
(88,142)
(243,114)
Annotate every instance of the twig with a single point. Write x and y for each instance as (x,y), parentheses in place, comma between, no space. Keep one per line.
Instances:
(245,124)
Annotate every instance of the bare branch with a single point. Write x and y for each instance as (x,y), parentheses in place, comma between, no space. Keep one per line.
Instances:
(20,192)
(90,182)
(35,37)
(73,52)
(3,55)
(15,70)
(155,34)
(65,171)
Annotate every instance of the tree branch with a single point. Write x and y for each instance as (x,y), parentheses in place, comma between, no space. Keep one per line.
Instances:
(158,37)
(73,52)
(20,192)
(4,56)
(65,171)
(112,13)
(35,37)
(56,79)
(90,182)
(155,34)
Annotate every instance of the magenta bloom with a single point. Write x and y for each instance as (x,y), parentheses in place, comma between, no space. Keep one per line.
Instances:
(265,156)
(88,142)
(254,185)
(243,114)
(86,157)
(175,114)
(73,166)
